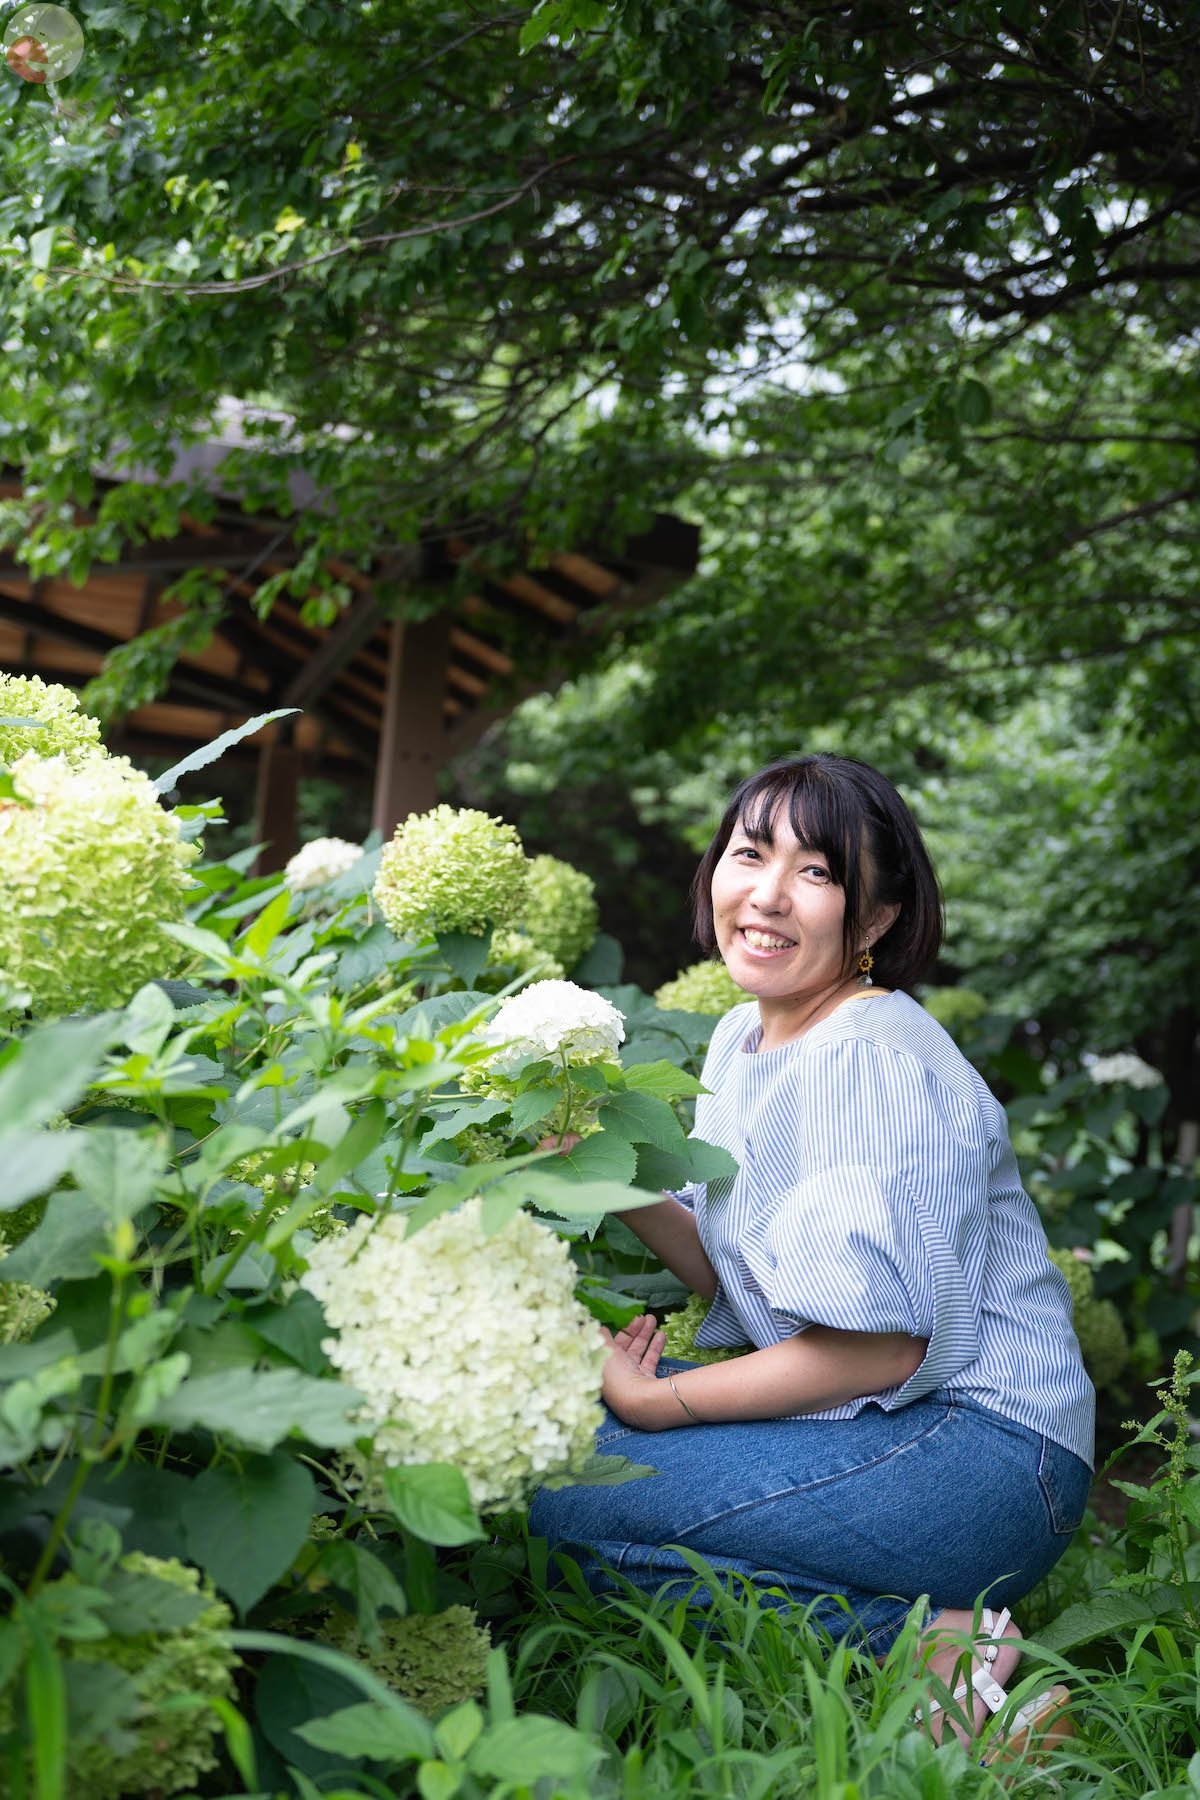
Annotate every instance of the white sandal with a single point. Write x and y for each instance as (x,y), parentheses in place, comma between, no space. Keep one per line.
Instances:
(1043,1719)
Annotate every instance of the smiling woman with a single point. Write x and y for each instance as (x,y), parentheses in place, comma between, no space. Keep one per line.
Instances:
(912,1422)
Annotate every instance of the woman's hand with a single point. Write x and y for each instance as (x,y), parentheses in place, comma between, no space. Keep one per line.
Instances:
(629,1374)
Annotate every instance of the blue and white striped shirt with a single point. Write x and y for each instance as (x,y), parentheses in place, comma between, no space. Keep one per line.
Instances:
(878,1191)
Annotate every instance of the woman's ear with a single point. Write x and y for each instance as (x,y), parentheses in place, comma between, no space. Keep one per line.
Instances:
(882,919)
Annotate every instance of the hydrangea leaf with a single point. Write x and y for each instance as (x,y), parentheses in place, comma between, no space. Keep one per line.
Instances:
(259,1409)
(369,1730)
(532,1748)
(465,952)
(600,966)
(432,1501)
(601,1471)
(117,1172)
(603,1157)
(642,1119)
(34,1161)
(462,1117)
(663,1080)
(534,1105)
(245,1523)
(51,1068)
(367,1581)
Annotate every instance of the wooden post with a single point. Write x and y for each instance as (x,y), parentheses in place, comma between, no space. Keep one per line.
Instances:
(411,742)
(275,799)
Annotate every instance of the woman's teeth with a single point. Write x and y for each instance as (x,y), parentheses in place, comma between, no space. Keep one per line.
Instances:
(762,940)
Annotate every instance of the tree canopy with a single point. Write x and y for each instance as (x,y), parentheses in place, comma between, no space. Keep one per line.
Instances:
(899,303)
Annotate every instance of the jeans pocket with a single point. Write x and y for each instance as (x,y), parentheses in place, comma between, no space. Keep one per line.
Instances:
(1065,1481)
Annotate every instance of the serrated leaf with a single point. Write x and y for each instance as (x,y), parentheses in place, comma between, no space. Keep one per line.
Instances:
(532,1748)
(642,1118)
(200,759)
(1109,1614)
(601,1158)
(663,1080)
(371,1731)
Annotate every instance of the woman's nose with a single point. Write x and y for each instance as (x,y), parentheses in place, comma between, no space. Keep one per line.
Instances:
(769,892)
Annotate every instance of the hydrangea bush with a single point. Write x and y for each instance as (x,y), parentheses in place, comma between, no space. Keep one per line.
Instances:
(556,1019)
(560,913)
(61,728)
(488,1319)
(90,865)
(451,870)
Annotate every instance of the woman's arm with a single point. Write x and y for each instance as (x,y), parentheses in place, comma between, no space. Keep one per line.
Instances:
(669,1229)
(817,1369)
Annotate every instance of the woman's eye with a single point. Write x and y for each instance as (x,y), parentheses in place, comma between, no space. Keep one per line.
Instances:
(819,870)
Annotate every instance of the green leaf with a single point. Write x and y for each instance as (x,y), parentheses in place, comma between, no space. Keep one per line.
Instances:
(297,1328)
(267,926)
(600,1471)
(258,1409)
(1108,1615)
(461,1118)
(531,1107)
(430,1016)
(246,1523)
(432,1501)
(532,1748)
(367,1580)
(199,759)
(34,1161)
(663,1080)
(49,1071)
(974,405)
(709,1162)
(641,1118)
(601,1158)
(372,1731)
(600,966)
(465,952)
(41,246)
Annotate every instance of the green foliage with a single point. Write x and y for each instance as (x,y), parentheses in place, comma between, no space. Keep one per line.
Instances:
(679,1335)
(1102,1336)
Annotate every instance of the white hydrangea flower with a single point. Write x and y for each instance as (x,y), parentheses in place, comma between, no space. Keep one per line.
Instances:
(1124,1068)
(470,1349)
(319,861)
(88,867)
(556,1019)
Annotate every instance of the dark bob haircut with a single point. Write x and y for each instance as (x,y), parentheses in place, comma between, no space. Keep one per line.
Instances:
(849,812)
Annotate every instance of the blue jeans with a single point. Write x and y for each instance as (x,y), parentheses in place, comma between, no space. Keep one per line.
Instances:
(943,1498)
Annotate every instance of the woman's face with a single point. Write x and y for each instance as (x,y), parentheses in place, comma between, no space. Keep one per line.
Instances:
(777,914)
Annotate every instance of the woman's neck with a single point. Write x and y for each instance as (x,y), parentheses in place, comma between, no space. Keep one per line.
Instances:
(784,1021)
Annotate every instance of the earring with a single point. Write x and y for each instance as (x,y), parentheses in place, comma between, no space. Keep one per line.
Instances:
(866,963)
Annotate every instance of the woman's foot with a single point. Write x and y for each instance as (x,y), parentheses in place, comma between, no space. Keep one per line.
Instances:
(969,1685)
(963,1698)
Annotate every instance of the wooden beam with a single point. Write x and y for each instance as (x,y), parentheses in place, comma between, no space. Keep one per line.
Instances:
(341,643)
(412,740)
(275,801)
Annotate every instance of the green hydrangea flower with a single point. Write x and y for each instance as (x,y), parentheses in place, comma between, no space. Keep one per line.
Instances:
(431,1660)
(560,912)
(1098,1326)
(512,954)
(89,864)
(280,1187)
(62,730)
(169,1749)
(679,1331)
(451,870)
(705,987)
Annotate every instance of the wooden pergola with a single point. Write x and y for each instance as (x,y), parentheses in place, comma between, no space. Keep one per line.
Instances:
(384,699)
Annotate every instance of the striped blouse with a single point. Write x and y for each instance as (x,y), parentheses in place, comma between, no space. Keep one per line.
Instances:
(878,1191)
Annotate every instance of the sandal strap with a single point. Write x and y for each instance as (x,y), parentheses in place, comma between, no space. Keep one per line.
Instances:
(983,1682)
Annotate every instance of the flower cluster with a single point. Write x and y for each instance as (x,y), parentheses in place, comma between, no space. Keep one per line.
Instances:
(1125,1069)
(163,1750)
(318,862)
(22,1307)
(679,1332)
(560,913)
(469,1349)
(451,870)
(1098,1326)
(280,1188)
(89,864)
(513,953)
(61,730)
(705,987)
(432,1660)
(555,1019)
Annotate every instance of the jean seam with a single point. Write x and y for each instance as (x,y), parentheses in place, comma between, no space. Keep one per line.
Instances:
(812,1487)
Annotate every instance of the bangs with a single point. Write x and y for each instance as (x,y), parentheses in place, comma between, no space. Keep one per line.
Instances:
(815,810)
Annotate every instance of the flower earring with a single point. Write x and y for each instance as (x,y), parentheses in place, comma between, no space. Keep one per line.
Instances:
(866,963)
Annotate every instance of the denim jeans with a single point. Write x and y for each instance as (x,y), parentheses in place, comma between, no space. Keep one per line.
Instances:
(943,1498)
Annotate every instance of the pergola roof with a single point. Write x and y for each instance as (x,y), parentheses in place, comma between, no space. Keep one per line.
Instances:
(491,647)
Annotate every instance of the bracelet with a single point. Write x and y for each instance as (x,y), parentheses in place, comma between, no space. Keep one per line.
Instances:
(687,1409)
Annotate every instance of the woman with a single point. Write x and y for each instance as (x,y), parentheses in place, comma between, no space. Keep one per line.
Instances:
(914,1418)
